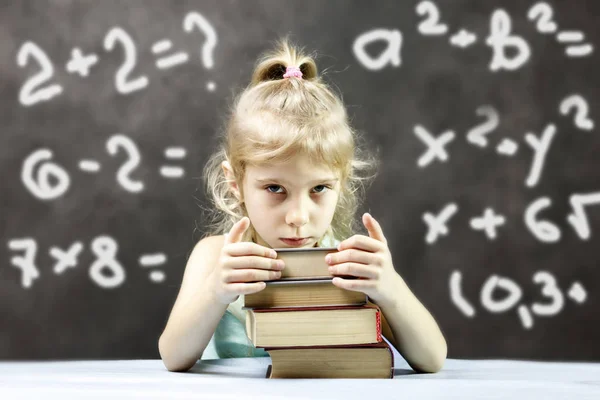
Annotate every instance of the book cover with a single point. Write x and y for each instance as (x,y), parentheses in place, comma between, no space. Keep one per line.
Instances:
(303,293)
(305,263)
(349,361)
(314,326)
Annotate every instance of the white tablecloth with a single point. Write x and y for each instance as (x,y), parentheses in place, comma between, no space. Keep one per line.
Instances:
(243,378)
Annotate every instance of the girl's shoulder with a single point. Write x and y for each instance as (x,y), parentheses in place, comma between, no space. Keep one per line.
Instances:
(214,243)
(215,238)
(205,252)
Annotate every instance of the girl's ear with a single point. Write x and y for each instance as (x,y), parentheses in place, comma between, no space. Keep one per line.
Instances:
(230,177)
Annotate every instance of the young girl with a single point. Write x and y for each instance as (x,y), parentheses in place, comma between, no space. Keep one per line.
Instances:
(287,175)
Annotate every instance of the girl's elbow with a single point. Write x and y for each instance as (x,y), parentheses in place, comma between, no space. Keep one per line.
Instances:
(431,366)
(434,362)
(437,364)
(177,367)
(438,359)
(171,363)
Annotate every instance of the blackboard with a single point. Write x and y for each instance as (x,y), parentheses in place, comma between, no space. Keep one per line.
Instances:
(483,114)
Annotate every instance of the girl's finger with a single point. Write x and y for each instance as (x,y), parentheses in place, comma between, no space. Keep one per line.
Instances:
(255,262)
(251,275)
(361,242)
(357,285)
(250,249)
(373,227)
(237,231)
(351,254)
(246,288)
(357,270)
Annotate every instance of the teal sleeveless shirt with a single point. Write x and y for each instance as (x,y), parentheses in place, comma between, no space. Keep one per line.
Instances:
(230,339)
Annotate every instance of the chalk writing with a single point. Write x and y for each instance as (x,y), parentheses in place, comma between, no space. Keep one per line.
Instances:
(431,25)
(105,271)
(579,104)
(497,285)
(510,50)
(40,88)
(47,180)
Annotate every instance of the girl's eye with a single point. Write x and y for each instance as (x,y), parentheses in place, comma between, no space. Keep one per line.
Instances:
(273,186)
(323,188)
(275,189)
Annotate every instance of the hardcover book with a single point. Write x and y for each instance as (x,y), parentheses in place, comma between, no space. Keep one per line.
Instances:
(303,293)
(314,326)
(305,263)
(356,361)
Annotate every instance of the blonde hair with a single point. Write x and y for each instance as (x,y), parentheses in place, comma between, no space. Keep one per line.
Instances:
(272,120)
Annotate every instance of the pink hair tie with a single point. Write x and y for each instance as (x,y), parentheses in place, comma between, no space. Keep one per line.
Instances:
(292,71)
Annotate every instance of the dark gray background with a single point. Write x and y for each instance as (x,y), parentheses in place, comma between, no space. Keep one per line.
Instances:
(437,86)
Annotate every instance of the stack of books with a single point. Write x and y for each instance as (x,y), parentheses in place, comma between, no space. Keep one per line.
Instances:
(313,329)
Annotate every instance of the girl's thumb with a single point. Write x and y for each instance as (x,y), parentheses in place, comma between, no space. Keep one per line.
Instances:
(237,230)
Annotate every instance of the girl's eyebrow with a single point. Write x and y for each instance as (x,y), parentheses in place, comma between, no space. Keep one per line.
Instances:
(265,180)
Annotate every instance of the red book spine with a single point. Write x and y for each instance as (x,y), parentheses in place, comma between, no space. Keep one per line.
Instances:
(378,319)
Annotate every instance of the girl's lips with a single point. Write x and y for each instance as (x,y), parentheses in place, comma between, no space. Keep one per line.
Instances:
(291,242)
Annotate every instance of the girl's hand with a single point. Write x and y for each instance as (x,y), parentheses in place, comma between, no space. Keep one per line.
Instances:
(370,260)
(242,266)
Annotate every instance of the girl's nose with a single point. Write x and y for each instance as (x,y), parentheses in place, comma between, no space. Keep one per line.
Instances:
(296,218)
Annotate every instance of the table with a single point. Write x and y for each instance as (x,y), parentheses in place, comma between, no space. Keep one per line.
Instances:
(243,378)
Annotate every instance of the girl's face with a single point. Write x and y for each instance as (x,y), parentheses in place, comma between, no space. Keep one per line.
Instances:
(290,200)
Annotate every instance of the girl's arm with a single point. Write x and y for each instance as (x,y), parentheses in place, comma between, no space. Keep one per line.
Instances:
(219,271)
(196,312)
(414,332)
